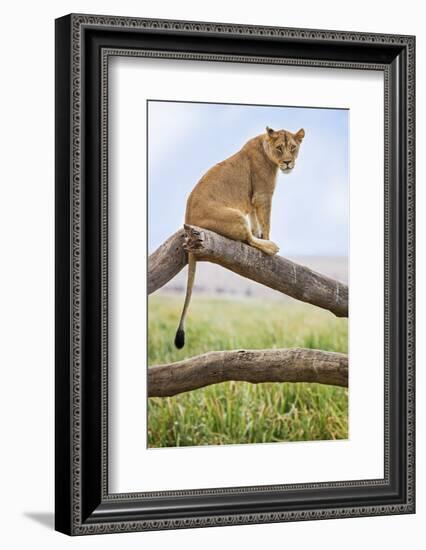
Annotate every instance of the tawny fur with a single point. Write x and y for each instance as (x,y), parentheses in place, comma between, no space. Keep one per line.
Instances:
(234,197)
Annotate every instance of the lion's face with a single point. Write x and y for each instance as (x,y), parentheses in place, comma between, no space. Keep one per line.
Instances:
(282,147)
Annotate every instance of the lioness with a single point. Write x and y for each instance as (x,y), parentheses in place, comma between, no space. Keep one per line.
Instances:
(234,197)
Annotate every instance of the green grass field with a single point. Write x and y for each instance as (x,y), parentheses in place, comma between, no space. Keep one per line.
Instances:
(240,412)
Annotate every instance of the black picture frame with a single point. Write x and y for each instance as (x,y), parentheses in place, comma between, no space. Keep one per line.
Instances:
(83,504)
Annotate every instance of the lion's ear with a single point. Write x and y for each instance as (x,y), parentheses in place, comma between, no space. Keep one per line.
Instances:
(270,131)
(299,135)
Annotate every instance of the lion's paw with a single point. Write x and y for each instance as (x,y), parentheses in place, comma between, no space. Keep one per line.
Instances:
(270,248)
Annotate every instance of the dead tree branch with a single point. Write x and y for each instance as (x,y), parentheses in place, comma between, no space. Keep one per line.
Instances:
(256,366)
(276,272)
(166,261)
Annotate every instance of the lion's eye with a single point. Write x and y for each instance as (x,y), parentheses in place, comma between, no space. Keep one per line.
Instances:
(279,149)
(293,148)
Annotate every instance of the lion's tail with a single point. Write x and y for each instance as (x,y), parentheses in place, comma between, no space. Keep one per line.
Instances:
(180,333)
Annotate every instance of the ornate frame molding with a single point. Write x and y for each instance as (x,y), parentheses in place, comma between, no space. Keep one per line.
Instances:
(75,26)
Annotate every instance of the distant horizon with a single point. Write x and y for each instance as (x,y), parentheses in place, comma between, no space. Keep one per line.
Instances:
(216,281)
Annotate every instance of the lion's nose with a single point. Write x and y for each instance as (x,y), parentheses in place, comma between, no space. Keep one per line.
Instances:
(287,162)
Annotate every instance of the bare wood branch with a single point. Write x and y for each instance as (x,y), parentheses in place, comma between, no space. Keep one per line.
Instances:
(256,366)
(166,261)
(276,272)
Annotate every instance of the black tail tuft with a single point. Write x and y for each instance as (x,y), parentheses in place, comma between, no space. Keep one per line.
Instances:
(180,338)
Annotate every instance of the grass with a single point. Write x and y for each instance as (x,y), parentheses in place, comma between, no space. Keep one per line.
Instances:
(240,412)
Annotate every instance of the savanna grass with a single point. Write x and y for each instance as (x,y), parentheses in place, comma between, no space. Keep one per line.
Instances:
(240,412)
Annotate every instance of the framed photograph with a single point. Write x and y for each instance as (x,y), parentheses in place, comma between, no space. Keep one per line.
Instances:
(234,274)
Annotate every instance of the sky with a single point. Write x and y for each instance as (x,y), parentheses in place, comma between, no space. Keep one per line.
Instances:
(310,207)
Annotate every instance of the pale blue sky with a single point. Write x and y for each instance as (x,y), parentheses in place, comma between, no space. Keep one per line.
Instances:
(310,211)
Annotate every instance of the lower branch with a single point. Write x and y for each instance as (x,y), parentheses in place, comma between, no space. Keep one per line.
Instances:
(273,365)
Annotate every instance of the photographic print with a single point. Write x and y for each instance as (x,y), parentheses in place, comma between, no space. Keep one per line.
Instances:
(248,343)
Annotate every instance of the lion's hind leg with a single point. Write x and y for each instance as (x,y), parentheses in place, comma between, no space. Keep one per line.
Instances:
(232,223)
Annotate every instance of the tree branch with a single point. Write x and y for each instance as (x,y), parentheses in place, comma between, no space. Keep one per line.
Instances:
(166,261)
(276,272)
(256,366)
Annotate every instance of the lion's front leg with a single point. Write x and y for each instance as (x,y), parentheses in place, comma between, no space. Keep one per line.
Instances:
(262,204)
(254,225)
(262,215)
